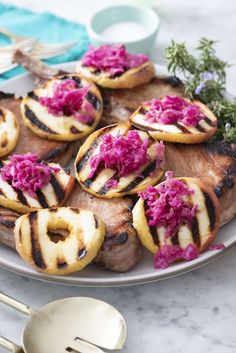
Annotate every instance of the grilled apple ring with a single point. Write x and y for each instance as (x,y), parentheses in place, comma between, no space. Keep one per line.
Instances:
(59,240)
(65,127)
(9,131)
(204,228)
(130,184)
(129,79)
(178,132)
(53,194)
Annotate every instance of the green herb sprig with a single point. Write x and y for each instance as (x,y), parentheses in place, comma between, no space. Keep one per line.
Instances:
(205,79)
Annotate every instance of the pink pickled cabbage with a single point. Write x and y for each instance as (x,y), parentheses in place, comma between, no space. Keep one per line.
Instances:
(124,154)
(219,246)
(170,253)
(173,109)
(112,183)
(69,100)
(166,205)
(26,174)
(113,59)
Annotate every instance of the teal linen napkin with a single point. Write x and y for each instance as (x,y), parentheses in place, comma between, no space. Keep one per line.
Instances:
(47,28)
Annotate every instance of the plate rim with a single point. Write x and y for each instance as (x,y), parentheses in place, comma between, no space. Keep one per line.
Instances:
(119,280)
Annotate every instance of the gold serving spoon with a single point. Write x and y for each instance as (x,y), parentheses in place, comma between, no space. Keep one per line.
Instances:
(76,325)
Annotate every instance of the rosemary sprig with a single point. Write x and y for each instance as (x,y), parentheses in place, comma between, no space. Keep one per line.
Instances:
(205,79)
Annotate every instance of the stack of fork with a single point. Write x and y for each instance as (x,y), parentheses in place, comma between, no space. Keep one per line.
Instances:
(31,46)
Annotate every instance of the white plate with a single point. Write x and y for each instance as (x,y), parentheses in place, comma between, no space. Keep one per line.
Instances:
(93,276)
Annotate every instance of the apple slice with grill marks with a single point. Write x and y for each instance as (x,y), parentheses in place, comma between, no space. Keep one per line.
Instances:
(201,232)
(53,194)
(99,183)
(81,234)
(66,125)
(178,131)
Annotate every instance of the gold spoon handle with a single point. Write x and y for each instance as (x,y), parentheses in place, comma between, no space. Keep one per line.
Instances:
(5,299)
(10,346)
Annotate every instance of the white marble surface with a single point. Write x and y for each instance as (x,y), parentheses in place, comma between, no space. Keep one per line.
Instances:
(196,312)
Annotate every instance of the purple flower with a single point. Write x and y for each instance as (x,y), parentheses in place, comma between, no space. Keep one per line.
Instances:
(205,76)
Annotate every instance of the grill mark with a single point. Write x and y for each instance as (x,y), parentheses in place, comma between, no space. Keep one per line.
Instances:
(143,127)
(94,101)
(105,188)
(7,223)
(2,116)
(59,192)
(200,128)
(154,234)
(33,96)
(182,128)
(80,164)
(209,121)
(61,264)
(35,121)
(20,196)
(42,199)
(36,251)
(175,239)
(74,130)
(210,210)
(149,169)
(82,253)
(96,221)
(4,142)
(142,111)
(195,232)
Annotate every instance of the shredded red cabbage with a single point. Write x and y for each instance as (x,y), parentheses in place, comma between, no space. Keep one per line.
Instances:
(170,253)
(124,154)
(25,173)
(173,109)
(69,100)
(112,183)
(166,205)
(113,59)
(219,246)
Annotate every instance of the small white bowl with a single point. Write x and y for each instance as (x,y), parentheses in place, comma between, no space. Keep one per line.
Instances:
(125,13)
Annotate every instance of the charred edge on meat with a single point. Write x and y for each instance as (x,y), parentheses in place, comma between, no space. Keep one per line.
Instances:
(36,251)
(4,95)
(56,152)
(35,121)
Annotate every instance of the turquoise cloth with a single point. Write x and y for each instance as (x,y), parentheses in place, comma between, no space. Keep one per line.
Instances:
(47,28)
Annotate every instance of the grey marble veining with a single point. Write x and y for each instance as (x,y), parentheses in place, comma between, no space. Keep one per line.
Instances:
(193,313)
